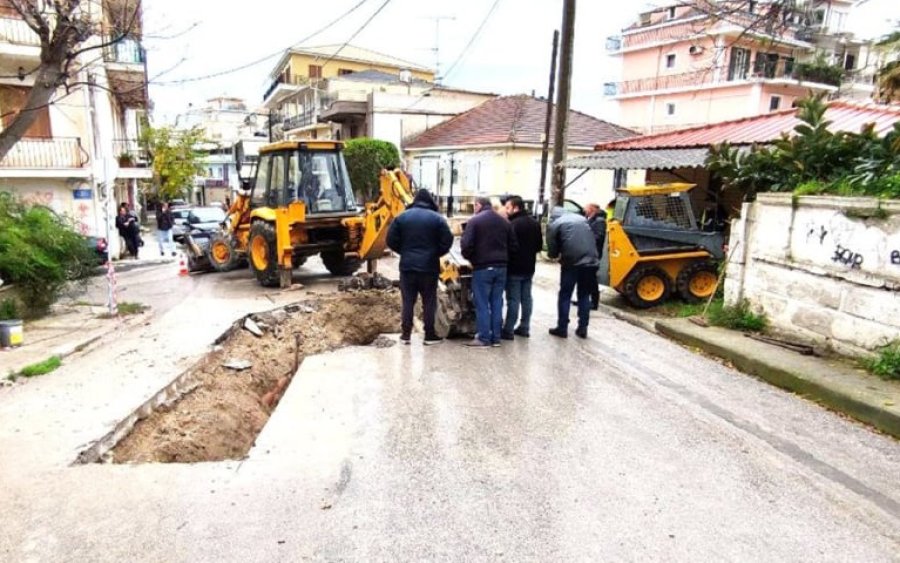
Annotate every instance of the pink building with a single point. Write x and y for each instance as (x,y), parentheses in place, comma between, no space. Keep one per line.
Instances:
(682,66)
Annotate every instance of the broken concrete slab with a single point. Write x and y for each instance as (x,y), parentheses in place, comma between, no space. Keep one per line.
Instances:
(253,328)
(237,364)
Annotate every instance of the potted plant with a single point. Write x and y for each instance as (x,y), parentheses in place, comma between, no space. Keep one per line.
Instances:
(126,160)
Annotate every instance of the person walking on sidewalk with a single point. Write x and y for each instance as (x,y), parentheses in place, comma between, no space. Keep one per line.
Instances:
(569,238)
(597,221)
(420,235)
(129,229)
(487,242)
(520,270)
(164,224)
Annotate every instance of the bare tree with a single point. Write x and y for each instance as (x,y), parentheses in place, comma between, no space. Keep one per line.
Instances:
(67,30)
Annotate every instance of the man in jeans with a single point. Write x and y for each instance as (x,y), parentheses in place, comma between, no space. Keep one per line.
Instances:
(421,236)
(164,224)
(569,237)
(487,242)
(520,270)
(597,222)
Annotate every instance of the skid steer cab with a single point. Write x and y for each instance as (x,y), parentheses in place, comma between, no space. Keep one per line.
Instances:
(654,248)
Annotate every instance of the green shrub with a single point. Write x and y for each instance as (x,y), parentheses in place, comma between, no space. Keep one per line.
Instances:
(41,368)
(40,252)
(365,160)
(737,317)
(126,308)
(887,364)
(9,309)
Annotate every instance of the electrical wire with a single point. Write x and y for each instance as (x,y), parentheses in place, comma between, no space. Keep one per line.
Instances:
(357,32)
(273,54)
(472,39)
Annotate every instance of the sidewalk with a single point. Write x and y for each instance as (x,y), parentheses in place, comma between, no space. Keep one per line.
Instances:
(832,383)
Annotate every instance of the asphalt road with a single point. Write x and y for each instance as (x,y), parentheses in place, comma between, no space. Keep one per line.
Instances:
(621,447)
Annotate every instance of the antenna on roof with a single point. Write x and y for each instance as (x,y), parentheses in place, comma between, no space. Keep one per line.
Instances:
(437,45)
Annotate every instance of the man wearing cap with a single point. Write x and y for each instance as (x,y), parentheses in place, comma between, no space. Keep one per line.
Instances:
(420,235)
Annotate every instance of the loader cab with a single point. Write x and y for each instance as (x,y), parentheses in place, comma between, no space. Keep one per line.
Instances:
(312,173)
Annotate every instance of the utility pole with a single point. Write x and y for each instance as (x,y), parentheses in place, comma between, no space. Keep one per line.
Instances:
(437,45)
(562,105)
(545,151)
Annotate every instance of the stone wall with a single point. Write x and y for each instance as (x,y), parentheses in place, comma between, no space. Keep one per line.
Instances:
(824,269)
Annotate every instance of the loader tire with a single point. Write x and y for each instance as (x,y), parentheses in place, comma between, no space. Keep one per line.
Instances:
(647,286)
(263,253)
(339,265)
(697,281)
(222,254)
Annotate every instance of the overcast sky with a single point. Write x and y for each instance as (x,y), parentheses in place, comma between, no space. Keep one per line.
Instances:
(186,39)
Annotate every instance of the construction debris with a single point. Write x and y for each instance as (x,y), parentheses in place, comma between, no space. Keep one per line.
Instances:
(364,282)
(253,328)
(237,364)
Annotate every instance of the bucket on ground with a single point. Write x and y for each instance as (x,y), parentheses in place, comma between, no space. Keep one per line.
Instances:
(11,333)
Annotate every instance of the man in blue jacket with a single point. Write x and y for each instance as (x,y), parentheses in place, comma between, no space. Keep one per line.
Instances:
(421,236)
(487,243)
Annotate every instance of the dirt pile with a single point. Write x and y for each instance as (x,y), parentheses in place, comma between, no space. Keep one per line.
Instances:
(227,408)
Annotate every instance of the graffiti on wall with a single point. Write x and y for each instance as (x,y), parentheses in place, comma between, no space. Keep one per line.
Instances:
(847,257)
(819,233)
(895,258)
(38,198)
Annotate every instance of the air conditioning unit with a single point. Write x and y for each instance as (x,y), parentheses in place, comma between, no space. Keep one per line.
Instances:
(696,50)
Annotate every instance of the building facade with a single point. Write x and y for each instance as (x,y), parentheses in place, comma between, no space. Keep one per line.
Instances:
(706,61)
(81,157)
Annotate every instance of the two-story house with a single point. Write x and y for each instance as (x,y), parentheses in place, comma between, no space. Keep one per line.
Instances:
(83,145)
(705,61)
(333,93)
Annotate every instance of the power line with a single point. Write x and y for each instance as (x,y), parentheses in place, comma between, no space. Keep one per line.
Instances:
(280,51)
(472,39)
(357,32)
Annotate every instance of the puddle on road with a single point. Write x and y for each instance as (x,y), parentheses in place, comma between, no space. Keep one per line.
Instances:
(215,413)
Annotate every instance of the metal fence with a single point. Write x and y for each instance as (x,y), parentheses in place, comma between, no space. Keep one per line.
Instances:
(60,152)
(17,32)
(130,153)
(126,51)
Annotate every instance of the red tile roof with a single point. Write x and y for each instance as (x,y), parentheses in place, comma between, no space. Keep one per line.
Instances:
(844,116)
(514,119)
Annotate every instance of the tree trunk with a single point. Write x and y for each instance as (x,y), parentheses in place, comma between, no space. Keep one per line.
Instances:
(45,85)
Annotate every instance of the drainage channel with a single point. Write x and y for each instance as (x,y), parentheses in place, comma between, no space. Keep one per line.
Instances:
(215,410)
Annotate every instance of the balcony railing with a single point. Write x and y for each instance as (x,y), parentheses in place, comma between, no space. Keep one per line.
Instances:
(124,51)
(60,152)
(130,153)
(301,120)
(281,80)
(17,32)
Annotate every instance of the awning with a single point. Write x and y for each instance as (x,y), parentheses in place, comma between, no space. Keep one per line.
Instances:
(641,159)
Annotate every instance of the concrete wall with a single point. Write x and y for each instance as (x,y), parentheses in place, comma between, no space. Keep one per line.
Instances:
(825,269)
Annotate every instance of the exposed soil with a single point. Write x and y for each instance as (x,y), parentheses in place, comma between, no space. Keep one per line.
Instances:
(221,417)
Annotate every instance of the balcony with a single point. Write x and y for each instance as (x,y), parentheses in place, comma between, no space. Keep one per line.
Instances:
(130,153)
(286,85)
(126,51)
(15,31)
(46,154)
(613,43)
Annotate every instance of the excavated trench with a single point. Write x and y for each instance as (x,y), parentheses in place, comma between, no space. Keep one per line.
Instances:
(213,412)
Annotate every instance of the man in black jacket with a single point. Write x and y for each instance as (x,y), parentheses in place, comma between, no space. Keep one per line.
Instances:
(421,236)
(520,270)
(487,242)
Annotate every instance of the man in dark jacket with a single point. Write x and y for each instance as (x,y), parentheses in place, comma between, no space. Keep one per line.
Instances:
(520,270)
(487,242)
(597,222)
(421,236)
(569,238)
(164,224)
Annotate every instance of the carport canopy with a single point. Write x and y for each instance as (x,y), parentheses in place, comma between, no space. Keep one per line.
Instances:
(641,159)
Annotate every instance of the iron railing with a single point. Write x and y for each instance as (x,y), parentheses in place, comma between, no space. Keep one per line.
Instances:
(59,152)
(16,31)
(281,80)
(126,50)
(130,153)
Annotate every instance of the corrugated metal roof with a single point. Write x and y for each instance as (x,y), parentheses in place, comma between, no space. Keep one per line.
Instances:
(844,116)
(641,159)
(513,119)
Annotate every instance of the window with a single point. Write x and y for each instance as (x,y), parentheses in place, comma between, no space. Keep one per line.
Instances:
(739,64)
(12,99)
(277,181)
(670,61)
(751,6)
(670,109)
(315,71)
(344,71)
(670,15)
(849,62)
(262,181)
(789,66)
(774,103)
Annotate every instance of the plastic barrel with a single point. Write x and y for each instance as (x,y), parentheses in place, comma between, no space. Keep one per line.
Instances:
(10,333)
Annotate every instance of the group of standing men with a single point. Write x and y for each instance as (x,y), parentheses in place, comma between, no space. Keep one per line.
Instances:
(503,254)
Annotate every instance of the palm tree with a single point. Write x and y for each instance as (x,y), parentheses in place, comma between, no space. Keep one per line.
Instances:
(889,74)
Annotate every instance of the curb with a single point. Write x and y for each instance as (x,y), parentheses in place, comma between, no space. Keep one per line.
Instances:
(806,383)
(128,266)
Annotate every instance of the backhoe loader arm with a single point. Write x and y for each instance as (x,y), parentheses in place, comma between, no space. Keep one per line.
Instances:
(368,234)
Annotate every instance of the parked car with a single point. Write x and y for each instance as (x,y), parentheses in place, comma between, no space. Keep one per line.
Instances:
(202,219)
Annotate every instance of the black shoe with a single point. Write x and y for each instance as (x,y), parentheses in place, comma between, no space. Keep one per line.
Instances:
(495,344)
(520,332)
(595,306)
(404,339)
(432,340)
(581,332)
(507,336)
(559,332)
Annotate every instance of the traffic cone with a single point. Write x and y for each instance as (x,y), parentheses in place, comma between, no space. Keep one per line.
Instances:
(182,265)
